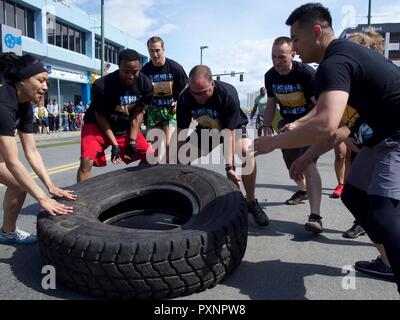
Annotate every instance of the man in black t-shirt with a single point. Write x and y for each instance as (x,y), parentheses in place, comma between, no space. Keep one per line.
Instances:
(169,79)
(215,106)
(115,116)
(290,84)
(352,76)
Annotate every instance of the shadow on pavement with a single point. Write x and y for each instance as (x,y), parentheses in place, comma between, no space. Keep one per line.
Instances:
(26,265)
(277,280)
(31,210)
(279,228)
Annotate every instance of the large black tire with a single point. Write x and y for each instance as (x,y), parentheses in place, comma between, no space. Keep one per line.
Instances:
(108,260)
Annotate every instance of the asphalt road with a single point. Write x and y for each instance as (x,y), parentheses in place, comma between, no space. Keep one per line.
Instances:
(282,261)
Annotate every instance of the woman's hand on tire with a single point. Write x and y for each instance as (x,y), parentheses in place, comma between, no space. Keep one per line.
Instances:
(54,208)
(61,193)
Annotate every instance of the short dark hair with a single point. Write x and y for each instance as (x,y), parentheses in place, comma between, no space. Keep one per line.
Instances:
(282,40)
(309,14)
(154,40)
(201,70)
(128,55)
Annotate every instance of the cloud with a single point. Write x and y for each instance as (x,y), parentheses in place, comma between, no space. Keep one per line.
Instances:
(165,29)
(387,13)
(249,56)
(130,16)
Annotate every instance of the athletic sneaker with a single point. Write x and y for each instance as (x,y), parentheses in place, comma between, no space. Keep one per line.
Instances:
(375,267)
(338,191)
(314,223)
(17,237)
(259,215)
(297,198)
(355,231)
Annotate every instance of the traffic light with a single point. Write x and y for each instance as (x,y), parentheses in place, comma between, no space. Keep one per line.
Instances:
(241,78)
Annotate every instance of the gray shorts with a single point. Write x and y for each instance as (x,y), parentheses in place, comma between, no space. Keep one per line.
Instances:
(291,155)
(377,170)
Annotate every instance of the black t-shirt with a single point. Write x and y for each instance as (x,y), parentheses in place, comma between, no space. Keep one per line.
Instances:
(168,81)
(373,84)
(108,95)
(14,115)
(292,91)
(221,111)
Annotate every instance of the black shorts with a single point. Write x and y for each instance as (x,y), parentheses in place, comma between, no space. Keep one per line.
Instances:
(291,155)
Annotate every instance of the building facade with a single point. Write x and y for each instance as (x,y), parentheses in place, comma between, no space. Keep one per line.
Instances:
(391,33)
(67,40)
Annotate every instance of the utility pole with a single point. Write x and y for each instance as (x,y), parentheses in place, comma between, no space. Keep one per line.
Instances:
(369,13)
(102,39)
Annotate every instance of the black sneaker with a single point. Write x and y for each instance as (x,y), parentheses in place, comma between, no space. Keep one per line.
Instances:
(376,268)
(297,198)
(259,215)
(355,231)
(314,223)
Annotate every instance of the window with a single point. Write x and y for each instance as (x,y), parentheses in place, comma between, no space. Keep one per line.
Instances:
(17,17)
(30,23)
(77,41)
(97,48)
(58,34)
(65,36)
(51,28)
(71,36)
(10,14)
(20,14)
(64,32)
(83,42)
(111,51)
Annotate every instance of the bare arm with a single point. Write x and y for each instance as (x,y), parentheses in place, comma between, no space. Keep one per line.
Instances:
(298,168)
(253,112)
(324,146)
(105,127)
(136,122)
(229,149)
(322,126)
(269,115)
(36,162)
(9,151)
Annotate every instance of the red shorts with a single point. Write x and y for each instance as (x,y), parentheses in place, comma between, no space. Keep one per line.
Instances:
(94,143)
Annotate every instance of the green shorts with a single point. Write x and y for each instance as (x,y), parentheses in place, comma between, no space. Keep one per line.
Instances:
(159,116)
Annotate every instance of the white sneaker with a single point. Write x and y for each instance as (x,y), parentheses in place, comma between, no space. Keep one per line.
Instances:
(17,237)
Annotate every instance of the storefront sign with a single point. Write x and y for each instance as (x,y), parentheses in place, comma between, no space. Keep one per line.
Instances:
(75,76)
(11,40)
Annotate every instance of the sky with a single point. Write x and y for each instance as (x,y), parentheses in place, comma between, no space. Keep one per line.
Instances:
(238,33)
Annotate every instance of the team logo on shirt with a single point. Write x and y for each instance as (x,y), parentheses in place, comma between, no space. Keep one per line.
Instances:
(207,118)
(350,116)
(361,131)
(291,98)
(163,84)
(127,104)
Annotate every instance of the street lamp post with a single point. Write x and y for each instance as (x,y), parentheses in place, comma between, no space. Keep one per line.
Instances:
(102,39)
(201,53)
(369,13)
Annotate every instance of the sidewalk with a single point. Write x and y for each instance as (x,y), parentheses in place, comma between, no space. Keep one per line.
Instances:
(55,136)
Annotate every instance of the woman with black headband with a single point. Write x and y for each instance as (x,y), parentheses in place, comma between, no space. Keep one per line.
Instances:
(25,82)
